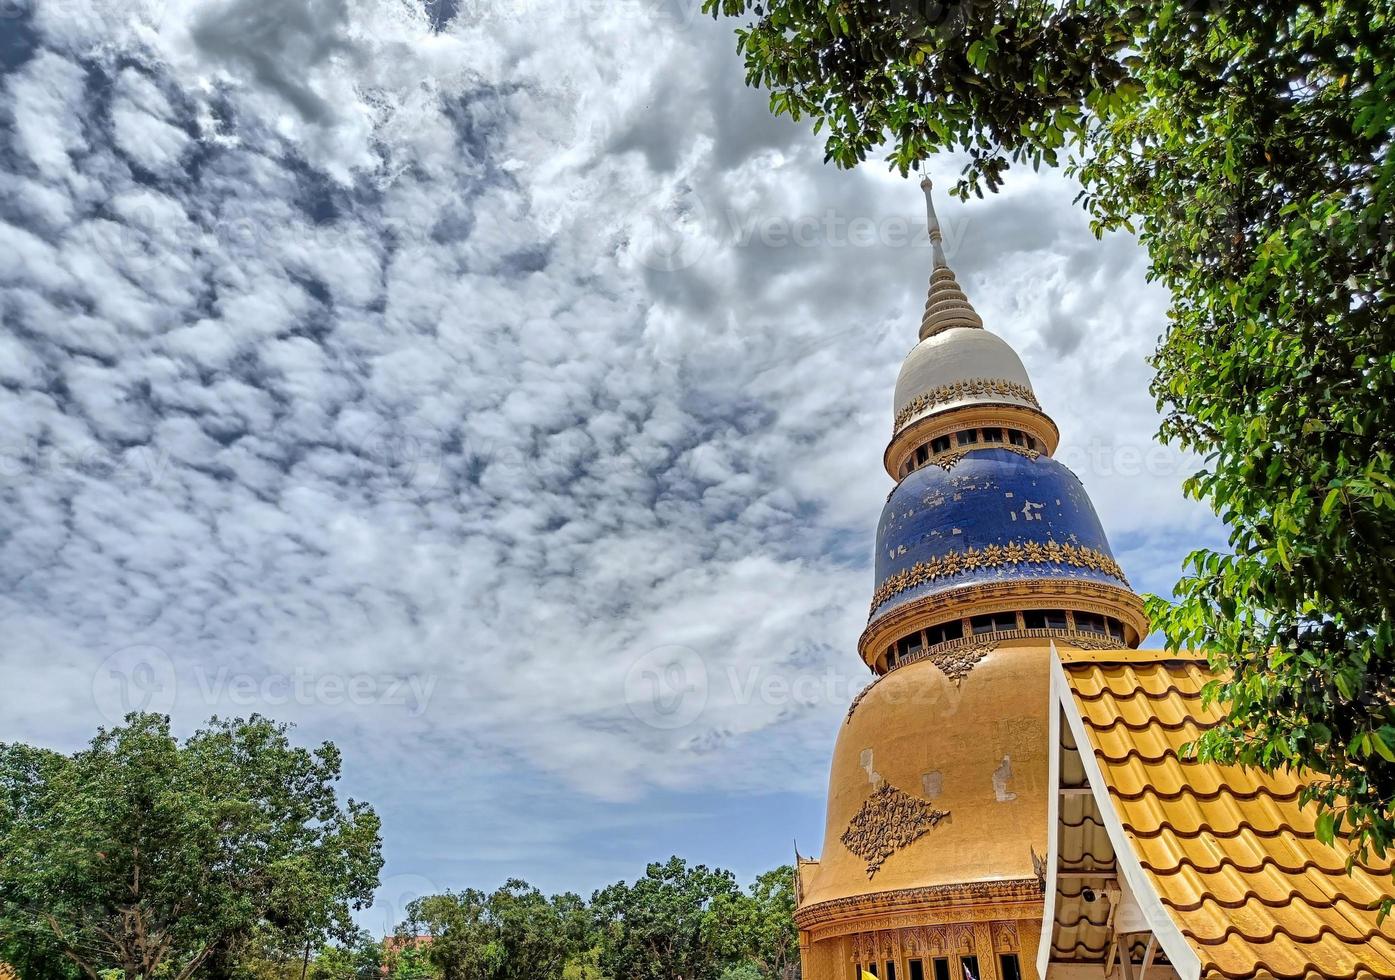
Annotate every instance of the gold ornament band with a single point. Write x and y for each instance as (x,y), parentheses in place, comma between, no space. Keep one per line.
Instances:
(996,556)
(966,388)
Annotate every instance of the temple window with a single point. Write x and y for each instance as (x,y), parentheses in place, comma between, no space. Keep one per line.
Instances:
(940,445)
(921,455)
(1045,619)
(941,965)
(917,969)
(1011,969)
(1116,629)
(890,970)
(1089,623)
(993,623)
(909,645)
(872,969)
(945,632)
(1016,438)
(970,967)
(968,437)
(992,435)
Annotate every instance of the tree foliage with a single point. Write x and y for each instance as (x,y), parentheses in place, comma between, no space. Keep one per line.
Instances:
(677,922)
(1248,148)
(152,857)
(514,933)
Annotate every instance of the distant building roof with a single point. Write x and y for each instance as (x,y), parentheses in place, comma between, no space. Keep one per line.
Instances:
(1216,869)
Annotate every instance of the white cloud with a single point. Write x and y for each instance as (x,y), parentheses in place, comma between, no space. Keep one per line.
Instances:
(492,359)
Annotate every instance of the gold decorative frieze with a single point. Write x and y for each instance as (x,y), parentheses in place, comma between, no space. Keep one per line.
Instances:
(996,556)
(1093,641)
(887,822)
(1002,595)
(959,390)
(1015,898)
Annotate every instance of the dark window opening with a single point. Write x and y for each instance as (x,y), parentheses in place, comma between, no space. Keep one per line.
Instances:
(1031,444)
(940,445)
(921,455)
(1015,437)
(968,437)
(946,632)
(917,969)
(992,435)
(970,965)
(941,965)
(890,659)
(890,970)
(872,969)
(1045,619)
(908,645)
(1011,969)
(993,622)
(1089,623)
(1116,629)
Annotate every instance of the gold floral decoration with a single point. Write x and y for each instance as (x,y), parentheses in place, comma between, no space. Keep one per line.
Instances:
(887,822)
(996,556)
(964,388)
(956,661)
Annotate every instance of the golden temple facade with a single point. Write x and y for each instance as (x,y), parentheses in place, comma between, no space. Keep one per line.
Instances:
(990,815)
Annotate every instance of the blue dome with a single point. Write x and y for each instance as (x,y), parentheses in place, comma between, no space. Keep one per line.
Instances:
(994,516)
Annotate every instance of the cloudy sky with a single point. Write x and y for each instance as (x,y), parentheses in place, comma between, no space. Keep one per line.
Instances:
(450,380)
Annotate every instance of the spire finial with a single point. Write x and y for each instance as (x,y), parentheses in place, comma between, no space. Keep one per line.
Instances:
(946,306)
(932,223)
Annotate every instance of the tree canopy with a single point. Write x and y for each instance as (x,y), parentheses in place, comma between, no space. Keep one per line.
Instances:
(155,857)
(1248,147)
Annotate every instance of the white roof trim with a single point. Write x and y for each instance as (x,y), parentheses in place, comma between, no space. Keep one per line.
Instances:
(1179,951)
(1053,824)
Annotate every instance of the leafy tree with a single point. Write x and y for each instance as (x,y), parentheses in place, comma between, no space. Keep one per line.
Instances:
(514,933)
(675,923)
(149,857)
(1248,145)
(360,958)
(770,940)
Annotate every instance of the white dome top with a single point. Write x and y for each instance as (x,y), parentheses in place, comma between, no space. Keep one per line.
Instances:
(960,366)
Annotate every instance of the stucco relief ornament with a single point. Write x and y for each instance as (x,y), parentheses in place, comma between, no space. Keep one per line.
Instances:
(956,662)
(887,822)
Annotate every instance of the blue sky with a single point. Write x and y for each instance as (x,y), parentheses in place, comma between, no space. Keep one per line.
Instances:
(452,381)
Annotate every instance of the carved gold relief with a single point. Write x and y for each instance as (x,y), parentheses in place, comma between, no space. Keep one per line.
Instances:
(887,822)
(959,390)
(996,556)
(1093,642)
(957,661)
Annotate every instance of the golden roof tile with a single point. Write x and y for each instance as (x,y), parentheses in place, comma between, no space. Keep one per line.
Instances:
(1232,856)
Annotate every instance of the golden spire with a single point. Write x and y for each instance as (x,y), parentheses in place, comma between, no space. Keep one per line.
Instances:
(946,305)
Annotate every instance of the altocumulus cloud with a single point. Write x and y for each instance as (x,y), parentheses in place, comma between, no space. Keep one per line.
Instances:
(492,389)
